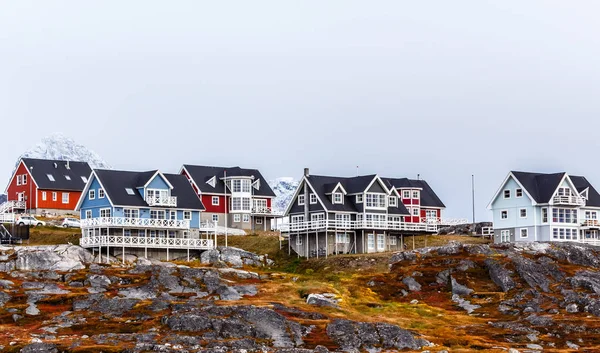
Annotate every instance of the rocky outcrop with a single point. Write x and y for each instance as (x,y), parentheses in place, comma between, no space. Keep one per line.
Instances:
(234,257)
(45,258)
(325,299)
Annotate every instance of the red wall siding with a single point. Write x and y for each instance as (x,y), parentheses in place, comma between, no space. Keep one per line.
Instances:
(58,205)
(207,201)
(13,189)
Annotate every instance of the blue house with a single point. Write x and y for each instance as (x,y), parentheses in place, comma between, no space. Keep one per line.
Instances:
(144,214)
(546,207)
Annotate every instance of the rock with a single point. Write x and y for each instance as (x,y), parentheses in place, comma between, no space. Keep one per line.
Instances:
(572,345)
(98,281)
(239,273)
(459,289)
(533,273)
(51,258)
(414,302)
(4,298)
(586,279)
(412,284)
(535,346)
(500,275)
(321,300)
(465,304)
(353,336)
(572,308)
(211,256)
(39,348)
(512,350)
(541,321)
(403,256)
(6,284)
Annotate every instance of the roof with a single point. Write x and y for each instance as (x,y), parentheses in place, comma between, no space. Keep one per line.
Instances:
(201,174)
(541,186)
(428,197)
(115,183)
(581,183)
(67,175)
(323,185)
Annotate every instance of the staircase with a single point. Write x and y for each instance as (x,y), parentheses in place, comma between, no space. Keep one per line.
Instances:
(5,236)
(7,214)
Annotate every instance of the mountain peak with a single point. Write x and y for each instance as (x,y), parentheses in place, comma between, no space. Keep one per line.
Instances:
(60,147)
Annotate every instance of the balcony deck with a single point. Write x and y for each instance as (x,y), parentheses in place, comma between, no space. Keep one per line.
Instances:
(166,201)
(334,225)
(145,242)
(568,200)
(134,223)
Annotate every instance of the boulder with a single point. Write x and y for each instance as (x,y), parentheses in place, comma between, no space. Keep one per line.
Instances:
(459,289)
(500,275)
(412,284)
(39,348)
(353,336)
(52,258)
(321,300)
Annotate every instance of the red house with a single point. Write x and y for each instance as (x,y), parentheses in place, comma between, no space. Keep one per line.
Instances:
(47,185)
(419,199)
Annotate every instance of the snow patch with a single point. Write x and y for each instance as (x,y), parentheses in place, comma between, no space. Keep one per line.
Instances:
(284,189)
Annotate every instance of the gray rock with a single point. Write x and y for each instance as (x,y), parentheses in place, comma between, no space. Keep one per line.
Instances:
(211,256)
(572,308)
(6,284)
(535,346)
(353,336)
(52,258)
(572,345)
(500,275)
(321,300)
(96,281)
(412,284)
(4,298)
(465,304)
(39,348)
(458,288)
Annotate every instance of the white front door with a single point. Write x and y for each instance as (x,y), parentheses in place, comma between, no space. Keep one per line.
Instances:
(505,236)
(380,242)
(370,242)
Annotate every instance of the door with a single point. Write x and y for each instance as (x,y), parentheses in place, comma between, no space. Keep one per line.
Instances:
(370,242)
(380,242)
(505,236)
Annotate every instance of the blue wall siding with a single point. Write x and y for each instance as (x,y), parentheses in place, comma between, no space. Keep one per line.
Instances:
(158,183)
(96,204)
(513,205)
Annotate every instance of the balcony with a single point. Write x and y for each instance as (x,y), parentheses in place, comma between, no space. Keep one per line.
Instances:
(166,201)
(591,223)
(339,225)
(260,210)
(135,223)
(569,200)
(145,242)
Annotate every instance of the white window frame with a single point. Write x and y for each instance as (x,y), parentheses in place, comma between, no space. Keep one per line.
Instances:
(237,217)
(54,196)
(506,193)
(215,218)
(416,212)
(105,212)
(312,198)
(393,201)
(502,213)
(380,242)
(301,200)
(521,213)
(544,214)
(297,219)
(50,177)
(359,198)
(19,180)
(406,194)
(521,233)
(338,198)
(376,200)
(505,236)
(63,199)
(215,201)
(88,214)
(415,195)
(517,192)
(246,218)
(92,194)
(259,220)
(393,240)
(187,215)
(101,193)
(24,179)
(44,196)
(131,213)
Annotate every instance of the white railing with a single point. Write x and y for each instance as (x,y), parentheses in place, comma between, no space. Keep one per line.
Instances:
(8,206)
(7,217)
(590,223)
(353,225)
(134,222)
(88,241)
(262,210)
(170,201)
(569,200)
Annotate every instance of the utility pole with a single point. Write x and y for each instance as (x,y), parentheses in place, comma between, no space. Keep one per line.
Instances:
(473,200)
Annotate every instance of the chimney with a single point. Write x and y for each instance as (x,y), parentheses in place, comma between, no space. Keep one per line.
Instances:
(306,172)
(55,165)
(68,165)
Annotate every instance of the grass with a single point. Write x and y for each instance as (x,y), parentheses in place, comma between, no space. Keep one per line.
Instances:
(53,235)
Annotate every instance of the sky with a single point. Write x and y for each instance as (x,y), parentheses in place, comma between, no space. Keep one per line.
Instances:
(443,89)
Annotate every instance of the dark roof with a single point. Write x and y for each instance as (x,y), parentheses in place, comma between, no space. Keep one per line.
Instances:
(323,185)
(64,178)
(115,183)
(201,174)
(581,183)
(428,197)
(540,186)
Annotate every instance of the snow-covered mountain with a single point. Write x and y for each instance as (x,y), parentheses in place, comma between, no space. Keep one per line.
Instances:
(58,146)
(284,188)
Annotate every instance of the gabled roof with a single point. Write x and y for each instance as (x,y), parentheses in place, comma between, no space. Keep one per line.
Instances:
(115,183)
(201,174)
(322,186)
(541,186)
(428,197)
(68,179)
(581,183)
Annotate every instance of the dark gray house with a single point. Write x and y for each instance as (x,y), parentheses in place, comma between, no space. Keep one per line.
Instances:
(333,215)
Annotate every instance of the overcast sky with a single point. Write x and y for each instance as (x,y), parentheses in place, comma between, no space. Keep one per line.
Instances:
(444,89)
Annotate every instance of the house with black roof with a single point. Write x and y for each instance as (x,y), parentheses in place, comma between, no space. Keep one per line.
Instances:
(150,214)
(545,207)
(421,202)
(334,215)
(234,197)
(47,185)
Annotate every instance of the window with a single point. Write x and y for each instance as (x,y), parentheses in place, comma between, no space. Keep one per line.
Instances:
(380,242)
(187,215)
(337,197)
(246,185)
(259,221)
(393,201)
(92,194)
(415,195)
(564,192)
(44,196)
(215,200)
(375,200)
(65,197)
(237,217)
(415,211)
(21,196)
(24,180)
(54,196)
(50,177)
(297,219)
(18,180)
(544,215)
(236,204)
(523,213)
(406,194)
(129,191)
(246,218)
(564,215)
(157,214)
(431,214)
(215,218)
(564,234)
(505,236)
(317,220)
(105,212)
(246,204)
(300,200)
(131,213)
(127,232)
(88,214)
(392,240)
(507,194)
(342,238)
(85,179)
(504,215)
(240,185)
(173,215)
(100,193)
(67,177)
(519,193)
(523,232)
(299,240)
(359,198)
(260,206)
(342,220)
(313,199)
